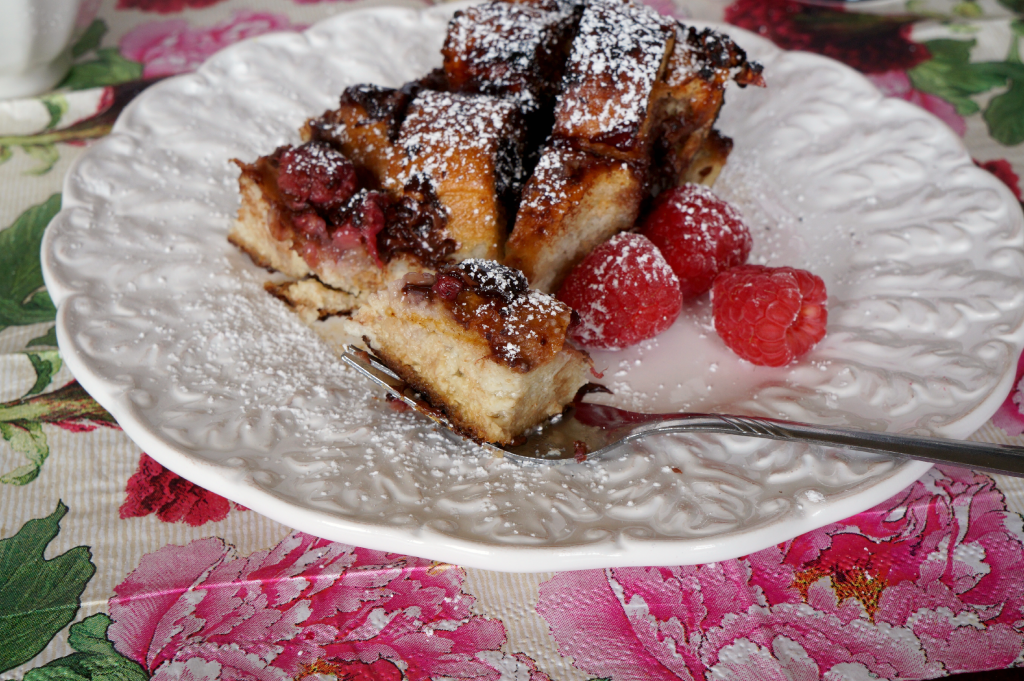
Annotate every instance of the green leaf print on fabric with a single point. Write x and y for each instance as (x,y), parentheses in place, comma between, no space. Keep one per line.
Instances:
(1004,115)
(46,154)
(968,9)
(26,438)
(21,423)
(951,75)
(38,597)
(46,363)
(21,300)
(108,68)
(48,339)
(57,106)
(91,39)
(95,658)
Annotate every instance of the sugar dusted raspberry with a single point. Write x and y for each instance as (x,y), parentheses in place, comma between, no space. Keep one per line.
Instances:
(624,292)
(699,234)
(316,174)
(769,315)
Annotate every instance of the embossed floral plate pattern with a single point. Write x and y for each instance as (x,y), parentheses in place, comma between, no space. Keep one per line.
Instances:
(169,328)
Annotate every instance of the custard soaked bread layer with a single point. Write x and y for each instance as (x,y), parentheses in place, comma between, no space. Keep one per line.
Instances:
(483,347)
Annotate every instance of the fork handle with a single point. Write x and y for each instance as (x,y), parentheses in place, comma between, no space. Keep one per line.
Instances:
(994,458)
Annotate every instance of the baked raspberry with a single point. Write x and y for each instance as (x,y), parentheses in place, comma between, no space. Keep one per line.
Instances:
(769,315)
(316,174)
(624,292)
(699,234)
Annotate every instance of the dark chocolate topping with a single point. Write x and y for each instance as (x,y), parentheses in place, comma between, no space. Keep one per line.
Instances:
(494,280)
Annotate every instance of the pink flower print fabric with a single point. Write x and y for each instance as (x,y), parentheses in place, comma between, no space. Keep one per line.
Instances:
(304,609)
(167,48)
(925,584)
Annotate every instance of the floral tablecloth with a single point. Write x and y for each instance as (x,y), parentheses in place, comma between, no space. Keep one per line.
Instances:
(113,567)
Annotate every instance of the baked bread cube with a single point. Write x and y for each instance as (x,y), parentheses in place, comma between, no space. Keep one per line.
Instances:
(574,201)
(618,55)
(366,123)
(686,102)
(506,49)
(467,150)
(363,128)
(480,345)
(516,51)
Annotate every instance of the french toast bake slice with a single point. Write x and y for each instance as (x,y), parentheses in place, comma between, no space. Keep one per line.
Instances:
(389,219)
(483,347)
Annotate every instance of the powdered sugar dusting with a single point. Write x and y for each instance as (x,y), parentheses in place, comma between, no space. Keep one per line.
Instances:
(624,292)
(549,182)
(522,326)
(704,215)
(633,254)
(494,278)
(505,46)
(617,53)
(320,159)
(442,129)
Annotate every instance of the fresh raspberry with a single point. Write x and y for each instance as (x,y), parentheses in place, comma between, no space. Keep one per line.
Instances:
(624,292)
(769,315)
(699,234)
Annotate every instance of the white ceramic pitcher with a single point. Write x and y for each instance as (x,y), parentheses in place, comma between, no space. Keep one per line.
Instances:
(35,43)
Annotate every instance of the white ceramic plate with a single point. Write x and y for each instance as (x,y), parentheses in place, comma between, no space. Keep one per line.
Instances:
(169,328)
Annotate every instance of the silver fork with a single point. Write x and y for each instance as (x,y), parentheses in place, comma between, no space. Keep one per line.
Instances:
(585,431)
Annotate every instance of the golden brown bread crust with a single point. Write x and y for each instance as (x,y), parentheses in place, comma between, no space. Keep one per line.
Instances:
(469,147)
(620,51)
(574,201)
(507,49)
(364,139)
